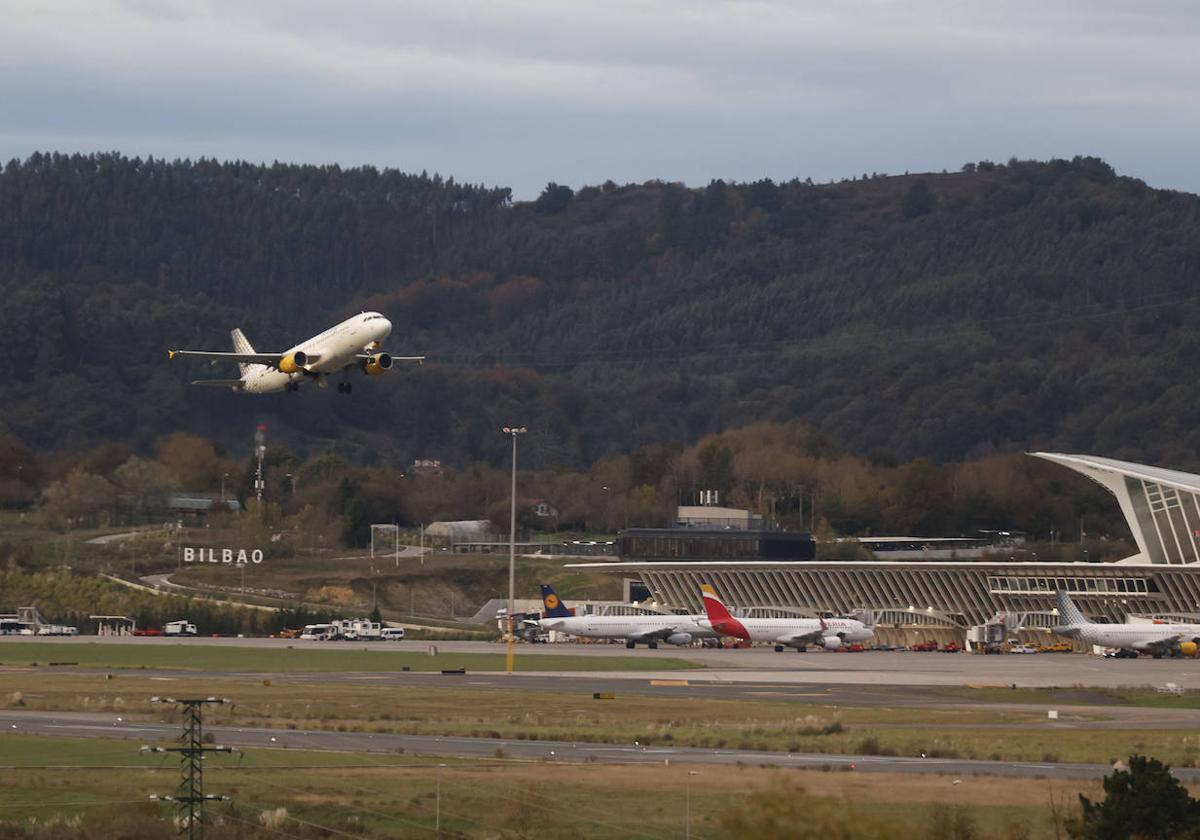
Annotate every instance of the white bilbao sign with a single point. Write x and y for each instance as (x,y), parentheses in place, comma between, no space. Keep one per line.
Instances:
(231,556)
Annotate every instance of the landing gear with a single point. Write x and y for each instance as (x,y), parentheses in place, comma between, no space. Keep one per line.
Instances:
(779,648)
(345,387)
(802,649)
(629,643)
(652,645)
(292,387)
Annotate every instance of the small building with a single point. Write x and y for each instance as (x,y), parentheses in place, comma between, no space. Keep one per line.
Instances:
(460,532)
(198,506)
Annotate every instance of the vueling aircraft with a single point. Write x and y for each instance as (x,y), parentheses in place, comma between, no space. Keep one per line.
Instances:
(1157,639)
(351,345)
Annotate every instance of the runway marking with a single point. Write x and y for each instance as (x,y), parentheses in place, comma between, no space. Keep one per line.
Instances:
(668,682)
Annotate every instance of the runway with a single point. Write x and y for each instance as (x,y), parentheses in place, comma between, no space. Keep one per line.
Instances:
(108,725)
(762,665)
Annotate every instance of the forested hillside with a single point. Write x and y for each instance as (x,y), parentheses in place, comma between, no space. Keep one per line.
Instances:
(999,308)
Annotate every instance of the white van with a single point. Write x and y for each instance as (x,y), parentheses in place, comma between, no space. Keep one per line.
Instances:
(319,632)
(392,634)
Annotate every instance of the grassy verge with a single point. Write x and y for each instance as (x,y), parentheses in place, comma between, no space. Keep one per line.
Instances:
(1070,696)
(379,796)
(305,657)
(352,706)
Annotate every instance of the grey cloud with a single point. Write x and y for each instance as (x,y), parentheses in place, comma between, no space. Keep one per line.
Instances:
(521,93)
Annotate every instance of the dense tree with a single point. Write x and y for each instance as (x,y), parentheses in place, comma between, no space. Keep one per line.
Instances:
(1141,800)
(1032,305)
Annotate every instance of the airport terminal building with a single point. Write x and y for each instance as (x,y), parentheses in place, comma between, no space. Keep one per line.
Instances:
(766,569)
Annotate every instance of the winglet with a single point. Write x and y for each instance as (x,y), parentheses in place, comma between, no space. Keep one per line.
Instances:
(171,354)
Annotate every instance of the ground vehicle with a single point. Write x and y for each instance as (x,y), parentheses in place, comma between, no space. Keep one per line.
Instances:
(320,632)
(12,627)
(392,634)
(1018,647)
(952,647)
(359,630)
(147,631)
(1121,653)
(924,647)
(853,647)
(179,628)
(57,630)
(1057,647)
(288,633)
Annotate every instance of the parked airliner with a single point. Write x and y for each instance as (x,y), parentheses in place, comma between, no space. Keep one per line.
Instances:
(830,634)
(351,345)
(646,628)
(1155,639)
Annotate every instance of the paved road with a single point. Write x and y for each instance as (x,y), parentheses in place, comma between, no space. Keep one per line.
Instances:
(794,671)
(85,725)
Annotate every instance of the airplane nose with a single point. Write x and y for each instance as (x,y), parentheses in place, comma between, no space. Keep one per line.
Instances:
(387,326)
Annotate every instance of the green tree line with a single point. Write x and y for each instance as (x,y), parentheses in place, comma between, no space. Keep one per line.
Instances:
(1001,308)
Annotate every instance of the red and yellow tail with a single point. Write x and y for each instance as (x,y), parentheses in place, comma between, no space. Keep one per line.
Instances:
(719,617)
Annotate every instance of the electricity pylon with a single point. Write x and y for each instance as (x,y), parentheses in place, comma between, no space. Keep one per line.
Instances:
(190,796)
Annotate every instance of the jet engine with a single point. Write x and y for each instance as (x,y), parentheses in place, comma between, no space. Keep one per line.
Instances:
(377,365)
(1188,648)
(679,638)
(830,642)
(293,362)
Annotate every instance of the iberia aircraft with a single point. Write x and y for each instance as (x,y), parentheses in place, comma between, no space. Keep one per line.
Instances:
(798,633)
(351,345)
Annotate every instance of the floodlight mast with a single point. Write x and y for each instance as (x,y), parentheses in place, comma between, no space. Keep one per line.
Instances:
(512,431)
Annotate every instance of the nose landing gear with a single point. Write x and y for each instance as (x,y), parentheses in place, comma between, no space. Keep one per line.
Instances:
(345,387)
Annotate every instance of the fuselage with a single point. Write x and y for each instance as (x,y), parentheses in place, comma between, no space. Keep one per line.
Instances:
(1130,636)
(331,351)
(777,629)
(627,626)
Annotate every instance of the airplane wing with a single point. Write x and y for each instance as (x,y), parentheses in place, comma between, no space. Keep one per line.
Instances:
(652,635)
(366,357)
(244,358)
(236,384)
(800,638)
(1165,644)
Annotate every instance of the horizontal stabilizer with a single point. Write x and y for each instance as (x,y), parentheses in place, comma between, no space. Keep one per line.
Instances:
(235,384)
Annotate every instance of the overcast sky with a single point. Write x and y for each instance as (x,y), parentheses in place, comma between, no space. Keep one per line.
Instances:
(522,92)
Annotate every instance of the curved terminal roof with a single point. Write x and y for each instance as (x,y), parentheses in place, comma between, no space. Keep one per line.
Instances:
(1161,506)
(1086,464)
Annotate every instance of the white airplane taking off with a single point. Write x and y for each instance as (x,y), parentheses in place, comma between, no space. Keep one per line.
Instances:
(1155,639)
(351,345)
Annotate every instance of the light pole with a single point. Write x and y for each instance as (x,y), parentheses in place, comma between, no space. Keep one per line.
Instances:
(223,477)
(512,431)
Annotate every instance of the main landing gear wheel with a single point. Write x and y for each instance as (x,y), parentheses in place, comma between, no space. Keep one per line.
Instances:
(779,648)
(652,645)
(631,645)
(293,387)
(345,387)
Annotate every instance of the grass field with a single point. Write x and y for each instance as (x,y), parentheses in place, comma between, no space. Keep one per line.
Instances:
(303,657)
(775,725)
(1071,696)
(398,796)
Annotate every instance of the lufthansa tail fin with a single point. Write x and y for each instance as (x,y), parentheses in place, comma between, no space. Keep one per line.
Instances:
(1068,614)
(553,605)
(241,344)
